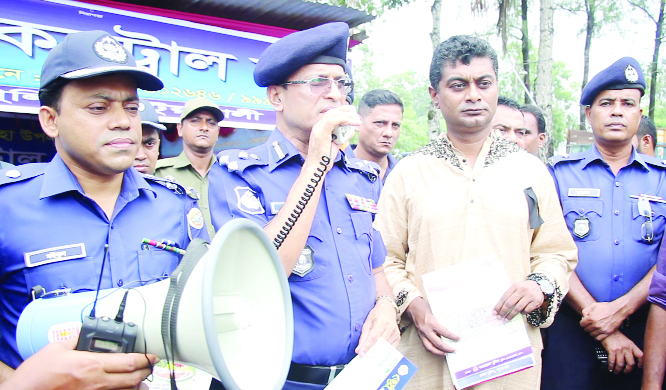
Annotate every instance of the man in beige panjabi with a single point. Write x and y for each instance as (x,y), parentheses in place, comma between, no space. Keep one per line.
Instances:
(465,196)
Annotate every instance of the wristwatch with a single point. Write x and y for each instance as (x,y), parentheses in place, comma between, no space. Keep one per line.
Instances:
(545,285)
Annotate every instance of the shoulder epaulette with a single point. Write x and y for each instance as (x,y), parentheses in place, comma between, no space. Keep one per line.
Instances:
(654,161)
(165,162)
(369,169)
(237,160)
(21,173)
(565,157)
(171,184)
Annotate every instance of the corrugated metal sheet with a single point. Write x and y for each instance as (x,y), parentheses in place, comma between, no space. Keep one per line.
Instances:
(292,14)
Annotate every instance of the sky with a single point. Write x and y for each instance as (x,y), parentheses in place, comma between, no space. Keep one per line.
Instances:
(400,38)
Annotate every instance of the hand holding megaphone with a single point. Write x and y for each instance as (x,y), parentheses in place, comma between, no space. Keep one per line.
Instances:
(333,131)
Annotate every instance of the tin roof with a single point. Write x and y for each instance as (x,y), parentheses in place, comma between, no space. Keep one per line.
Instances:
(290,14)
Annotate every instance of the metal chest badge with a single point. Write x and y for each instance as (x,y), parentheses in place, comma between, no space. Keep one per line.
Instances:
(581,227)
(305,263)
(247,201)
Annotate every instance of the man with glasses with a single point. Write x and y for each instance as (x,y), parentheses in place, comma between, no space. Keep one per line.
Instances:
(611,199)
(199,128)
(318,204)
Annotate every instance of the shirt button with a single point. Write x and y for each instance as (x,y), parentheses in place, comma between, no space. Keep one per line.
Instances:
(338,230)
(464,160)
(165,275)
(617,212)
(616,278)
(357,327)
(471,201)
(616,242)
(617,184)
(120,282)
(351,278)
(581,211)
(473,179)
(112,226)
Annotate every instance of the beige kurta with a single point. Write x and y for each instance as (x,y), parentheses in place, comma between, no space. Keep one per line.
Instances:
(437,211)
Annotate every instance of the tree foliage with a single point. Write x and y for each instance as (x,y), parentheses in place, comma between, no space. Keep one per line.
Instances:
(372,7)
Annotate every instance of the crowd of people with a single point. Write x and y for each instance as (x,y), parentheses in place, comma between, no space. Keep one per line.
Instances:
(579,237)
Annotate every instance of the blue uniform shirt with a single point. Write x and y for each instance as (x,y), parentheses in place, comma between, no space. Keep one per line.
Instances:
(53,235)
(613,257)
(332,301)
(392,161)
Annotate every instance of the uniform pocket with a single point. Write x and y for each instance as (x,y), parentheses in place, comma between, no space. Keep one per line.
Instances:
(156,264)
(362,223)
(591,208)
(639,231)
(75,274)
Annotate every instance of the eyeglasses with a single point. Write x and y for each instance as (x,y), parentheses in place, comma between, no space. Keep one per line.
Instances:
(320,85)
(647,230)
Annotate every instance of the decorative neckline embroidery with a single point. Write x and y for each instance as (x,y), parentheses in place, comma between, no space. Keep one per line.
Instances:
(442,148)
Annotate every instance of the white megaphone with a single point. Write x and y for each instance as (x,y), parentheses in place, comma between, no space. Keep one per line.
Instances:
(234,313)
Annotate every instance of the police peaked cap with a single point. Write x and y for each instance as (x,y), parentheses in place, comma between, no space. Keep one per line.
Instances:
(625,73)
(92,53)
(325,44)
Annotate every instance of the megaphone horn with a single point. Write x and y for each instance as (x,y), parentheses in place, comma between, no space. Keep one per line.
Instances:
(227,313)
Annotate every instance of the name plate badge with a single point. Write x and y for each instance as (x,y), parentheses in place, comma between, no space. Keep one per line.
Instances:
(53,255)
(585,192)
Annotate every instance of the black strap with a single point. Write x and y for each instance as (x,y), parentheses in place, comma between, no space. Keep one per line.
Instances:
(318,375)
(195,251)
(533,205)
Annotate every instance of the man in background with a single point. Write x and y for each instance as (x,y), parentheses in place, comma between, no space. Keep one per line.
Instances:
(645,139)
(199,128)
(381,116)
(534,132)
(146,160)
(509,120)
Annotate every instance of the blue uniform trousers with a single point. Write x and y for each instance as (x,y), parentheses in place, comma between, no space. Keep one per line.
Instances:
(569,359)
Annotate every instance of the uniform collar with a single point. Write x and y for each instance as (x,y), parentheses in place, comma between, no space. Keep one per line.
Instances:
(181,161)
(278,140)
(58,179)
(593,155)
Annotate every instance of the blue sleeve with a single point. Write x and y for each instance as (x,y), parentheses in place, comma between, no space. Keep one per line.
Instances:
(378,249)
(230,196)
(196,226)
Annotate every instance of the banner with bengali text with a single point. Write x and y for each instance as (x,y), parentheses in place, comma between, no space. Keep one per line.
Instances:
(193,60)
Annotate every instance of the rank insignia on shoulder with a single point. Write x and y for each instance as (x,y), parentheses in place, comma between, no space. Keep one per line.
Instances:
(248,201)
(305,263)
(363,204)
(581,227)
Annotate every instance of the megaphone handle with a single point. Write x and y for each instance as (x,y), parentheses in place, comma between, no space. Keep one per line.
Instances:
(307,194)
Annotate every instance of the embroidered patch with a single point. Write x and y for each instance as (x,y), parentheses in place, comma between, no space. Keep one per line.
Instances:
(305,263)
(195,218)
(631,74)
(109,49)
(248,201)
(363,204)
(53,255)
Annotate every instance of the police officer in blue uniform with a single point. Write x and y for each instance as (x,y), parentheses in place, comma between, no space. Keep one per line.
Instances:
(61,219)
(612,201)
(333,256)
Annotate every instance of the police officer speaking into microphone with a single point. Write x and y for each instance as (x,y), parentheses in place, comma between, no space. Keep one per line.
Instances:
(333,256)
(88,206)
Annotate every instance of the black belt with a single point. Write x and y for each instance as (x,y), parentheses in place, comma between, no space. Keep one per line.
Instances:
(317,375)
